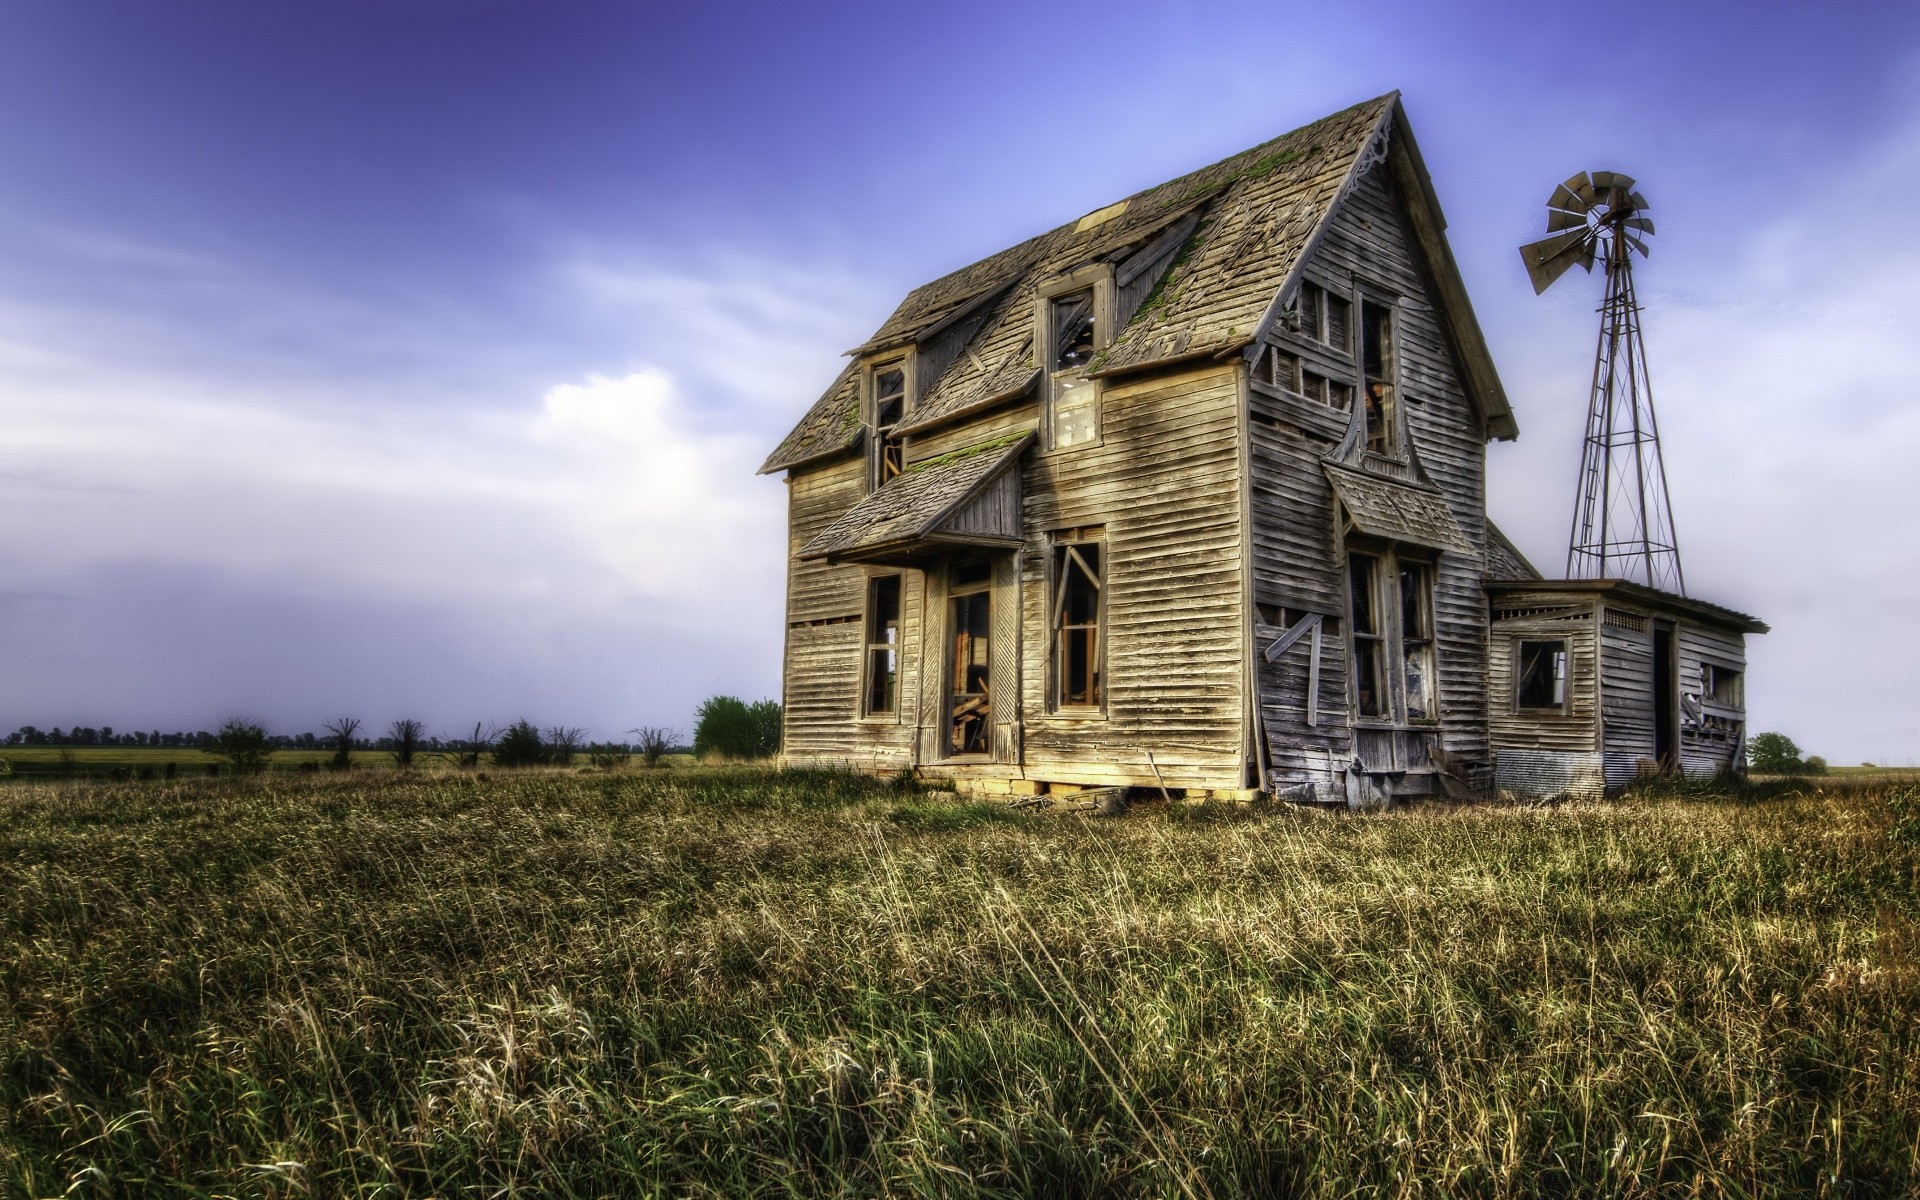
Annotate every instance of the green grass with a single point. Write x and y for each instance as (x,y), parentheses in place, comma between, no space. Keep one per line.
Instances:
(103,762)
(735,982)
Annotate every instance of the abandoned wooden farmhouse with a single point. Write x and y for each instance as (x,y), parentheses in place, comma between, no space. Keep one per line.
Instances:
(1189,493)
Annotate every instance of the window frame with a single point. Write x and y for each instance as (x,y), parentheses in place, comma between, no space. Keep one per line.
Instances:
(1059,543)
(878,439)
(1390,559)
(869,646)
(1709,670)
(1097,279)
(1392,424)
(1321,321)
(1517,673)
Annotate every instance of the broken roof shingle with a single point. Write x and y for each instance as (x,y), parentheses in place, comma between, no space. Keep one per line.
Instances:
(1404,512)
(1257,213)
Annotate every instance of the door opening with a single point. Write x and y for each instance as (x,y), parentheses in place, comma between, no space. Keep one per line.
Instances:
(969,668)
(1666,732)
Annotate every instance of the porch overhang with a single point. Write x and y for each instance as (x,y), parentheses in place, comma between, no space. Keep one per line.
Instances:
(967,499)
(1396,510)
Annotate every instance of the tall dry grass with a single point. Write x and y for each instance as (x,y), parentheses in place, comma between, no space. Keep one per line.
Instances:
(746,983)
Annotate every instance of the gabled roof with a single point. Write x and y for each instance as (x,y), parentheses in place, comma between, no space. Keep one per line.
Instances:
(1256,217)
(912,509)
(1505,563)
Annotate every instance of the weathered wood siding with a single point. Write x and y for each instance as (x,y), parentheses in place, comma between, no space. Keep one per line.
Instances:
(1297,562)
(1164,481)
(1547,617)
(1705,752)
(826,636)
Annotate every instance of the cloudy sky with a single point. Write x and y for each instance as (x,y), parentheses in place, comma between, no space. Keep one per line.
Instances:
(413,357)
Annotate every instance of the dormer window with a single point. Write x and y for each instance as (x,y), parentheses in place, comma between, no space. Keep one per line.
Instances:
(1072,337)
(1376,365)
(887,455)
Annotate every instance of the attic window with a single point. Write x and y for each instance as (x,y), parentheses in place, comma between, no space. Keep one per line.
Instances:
(1073,416)
(1323,316)
(1376,363)
(889,406)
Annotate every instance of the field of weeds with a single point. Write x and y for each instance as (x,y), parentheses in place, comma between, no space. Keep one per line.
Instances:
(736,983)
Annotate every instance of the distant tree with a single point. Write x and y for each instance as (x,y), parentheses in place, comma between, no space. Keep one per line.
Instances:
(731,728)
(403,737)
(654,742)
(520,746)
(1814,765)
(563,742)
(340,737)
(466,751)
(1774,754)
(243,744)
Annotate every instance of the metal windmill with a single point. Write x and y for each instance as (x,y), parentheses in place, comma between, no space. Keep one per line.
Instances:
(1622,522)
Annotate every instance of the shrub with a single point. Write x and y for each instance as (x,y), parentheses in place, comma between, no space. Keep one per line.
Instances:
(244,745)
(609,756)
(732,728)
(1814,765)
(404,736)
(563,742)
(520,746)
(340,736)
(654,742)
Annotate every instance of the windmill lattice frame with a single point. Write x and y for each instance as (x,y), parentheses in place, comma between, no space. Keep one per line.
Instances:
(1622,518)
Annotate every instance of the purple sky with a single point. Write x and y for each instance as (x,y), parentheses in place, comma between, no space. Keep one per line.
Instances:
(413,358)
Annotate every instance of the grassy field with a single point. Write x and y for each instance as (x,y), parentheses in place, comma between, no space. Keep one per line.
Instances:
(729,983)
(109,762)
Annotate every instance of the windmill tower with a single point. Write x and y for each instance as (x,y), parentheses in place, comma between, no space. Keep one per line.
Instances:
(1622,521)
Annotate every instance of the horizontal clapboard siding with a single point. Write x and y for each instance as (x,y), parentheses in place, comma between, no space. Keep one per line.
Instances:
(1577,727)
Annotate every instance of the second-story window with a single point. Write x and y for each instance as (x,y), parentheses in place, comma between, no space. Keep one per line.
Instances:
(1376,365)
(1073,414)
(1324,317)
(889,407)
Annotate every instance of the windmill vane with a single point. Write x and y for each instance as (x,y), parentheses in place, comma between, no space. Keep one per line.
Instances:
(1622,520)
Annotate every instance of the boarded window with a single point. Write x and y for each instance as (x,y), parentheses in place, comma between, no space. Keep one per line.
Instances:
(1416,641)
(1073,415)
(889,406)
(1541,675)
(1369,639)
(883,644)
(1078,578)
(1376,356)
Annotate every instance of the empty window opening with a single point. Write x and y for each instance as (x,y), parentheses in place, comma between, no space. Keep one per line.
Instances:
(1369,638)
(883,644)
(1073,418)
(1323,316)
(889,406)
(1416,640)
(1283,370)
(1541,675)
(1077,583)
(1376,358)
(970,637)
(1722,685)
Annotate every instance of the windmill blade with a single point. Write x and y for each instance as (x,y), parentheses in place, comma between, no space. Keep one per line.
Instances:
(1582,187)
(1549,258)
(1559,219)
(1643,224)
(1586,255)
(1565,197)
(1636,243)
(1608,180)
(1638,201)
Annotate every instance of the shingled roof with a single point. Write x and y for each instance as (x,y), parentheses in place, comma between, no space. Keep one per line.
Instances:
(912,506)
(1245,225)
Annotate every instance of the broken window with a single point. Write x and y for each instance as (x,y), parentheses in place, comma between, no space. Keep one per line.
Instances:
(1073,418)
(1376,359)
(889,406)
(1540,676)
(1077,650)
(883,644)
(1390,598)
(1323,316)
(1369,638)
(1283,370)
(1722,685)
(1416,640)
(970,636)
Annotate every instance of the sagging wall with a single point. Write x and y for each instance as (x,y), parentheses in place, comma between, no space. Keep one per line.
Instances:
(1163,482)
(1298,563)
(1715,741)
